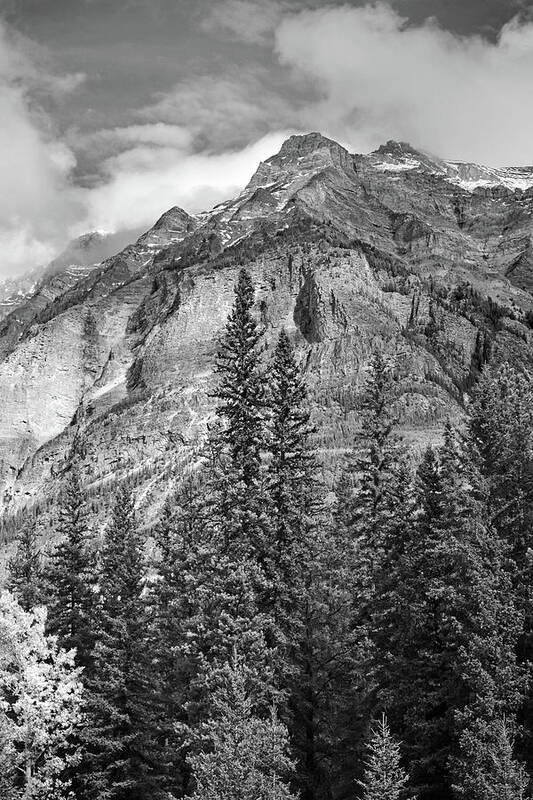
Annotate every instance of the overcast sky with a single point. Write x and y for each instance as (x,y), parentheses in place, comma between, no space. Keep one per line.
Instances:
(111,111)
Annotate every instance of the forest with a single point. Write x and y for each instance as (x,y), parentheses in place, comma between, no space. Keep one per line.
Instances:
(281,638)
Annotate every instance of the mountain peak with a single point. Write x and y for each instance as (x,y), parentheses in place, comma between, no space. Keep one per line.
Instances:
(304,144)
(172,226)
(398,149)
(301,155)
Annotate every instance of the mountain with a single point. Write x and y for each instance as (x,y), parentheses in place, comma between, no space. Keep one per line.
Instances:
(81,255)
(427,260)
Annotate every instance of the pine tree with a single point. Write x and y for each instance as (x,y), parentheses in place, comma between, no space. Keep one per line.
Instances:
(293,489)
(487,769)
(183,552)
(240,392)
(241,437)
(236,497)
(429,491)
(501,424)
(384,778)
(376,466)
(305,599)
(70,574)
(443,625)
(123,760)
(25,569)
(245,755)
(372,523)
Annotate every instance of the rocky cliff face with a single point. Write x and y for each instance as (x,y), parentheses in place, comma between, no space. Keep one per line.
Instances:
(430,262)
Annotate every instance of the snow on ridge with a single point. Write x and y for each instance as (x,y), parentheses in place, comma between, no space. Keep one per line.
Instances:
(398,166)
(472,176)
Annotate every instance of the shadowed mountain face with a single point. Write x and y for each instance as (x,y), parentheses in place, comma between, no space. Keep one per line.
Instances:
(429,261)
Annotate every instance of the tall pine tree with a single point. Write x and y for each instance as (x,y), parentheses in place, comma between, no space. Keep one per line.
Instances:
(296,565)
(123,757)
(241,437)
(235,490)
(178,620)
(443,624)
(501,422)
(293,489)
(70,574)
(376,471)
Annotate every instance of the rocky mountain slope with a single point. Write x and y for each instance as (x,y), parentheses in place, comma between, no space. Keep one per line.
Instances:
(431,262)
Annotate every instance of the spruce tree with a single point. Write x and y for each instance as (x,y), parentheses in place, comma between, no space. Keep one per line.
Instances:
(293,489)
(123,758)
(241,437)
(443,623)
(236,497)
(501,424)
(304,597)
(429,491)
(376,468)
(384,777)
(177,595)
(372,523)
(245,753)
(70,574)
(487,769)
(25,569)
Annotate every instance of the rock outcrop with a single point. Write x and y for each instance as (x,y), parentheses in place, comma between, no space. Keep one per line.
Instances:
(428,261)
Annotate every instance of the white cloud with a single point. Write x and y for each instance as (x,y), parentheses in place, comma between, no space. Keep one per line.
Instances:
(143,182)
(248,20)
(361,75)
(37,202)
(377,78)
(145,168)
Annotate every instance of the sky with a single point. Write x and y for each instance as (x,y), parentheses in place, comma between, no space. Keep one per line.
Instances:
(112,111)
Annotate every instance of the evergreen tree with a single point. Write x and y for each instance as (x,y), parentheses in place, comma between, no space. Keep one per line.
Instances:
(70,574)
(443,624)
(293,490)
(501,424)
(309,591)
(429,490)
(371,526)
(487,769)
(384,778)
(241,437)
(376,467)
(177,594)
(123,759)
(25,570)
(236,497)
(245,755)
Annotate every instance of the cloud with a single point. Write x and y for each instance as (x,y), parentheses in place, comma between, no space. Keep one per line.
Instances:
(145,167)
(375,77)
(37,202)
(143,182)
(224,112)
(246,20)
(362,75)
(100,145)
